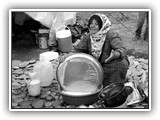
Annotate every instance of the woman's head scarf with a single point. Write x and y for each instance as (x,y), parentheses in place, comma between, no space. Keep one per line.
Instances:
(97,39)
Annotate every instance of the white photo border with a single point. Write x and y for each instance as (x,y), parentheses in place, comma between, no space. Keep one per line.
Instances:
(76,10)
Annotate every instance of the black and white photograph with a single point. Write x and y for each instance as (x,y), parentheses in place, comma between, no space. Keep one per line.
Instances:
(80,59)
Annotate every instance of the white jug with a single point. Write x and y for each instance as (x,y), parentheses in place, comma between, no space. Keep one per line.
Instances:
(34,85)
(45,72)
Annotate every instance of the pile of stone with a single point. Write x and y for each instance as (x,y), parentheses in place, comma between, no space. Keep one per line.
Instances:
(138,73)
(137,77)
(50,96)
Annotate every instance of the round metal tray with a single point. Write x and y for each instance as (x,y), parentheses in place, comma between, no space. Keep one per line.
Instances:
(81,64)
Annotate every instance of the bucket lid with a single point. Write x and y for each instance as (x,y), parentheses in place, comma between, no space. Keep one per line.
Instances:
(49,55)
(82,71)
(63,33)
(43,30)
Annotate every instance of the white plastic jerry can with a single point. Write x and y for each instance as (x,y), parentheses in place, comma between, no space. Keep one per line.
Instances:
(45,72)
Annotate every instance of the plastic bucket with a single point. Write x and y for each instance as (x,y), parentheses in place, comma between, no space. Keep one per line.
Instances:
(64,39)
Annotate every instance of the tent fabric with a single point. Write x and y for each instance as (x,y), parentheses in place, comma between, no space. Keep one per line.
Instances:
(20,17)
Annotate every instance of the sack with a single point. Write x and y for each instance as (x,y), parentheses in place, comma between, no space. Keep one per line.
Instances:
(50,19)
(78,32)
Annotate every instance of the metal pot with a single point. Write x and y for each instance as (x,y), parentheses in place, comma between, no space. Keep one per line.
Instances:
(81,98)
(115,94)
(73,70)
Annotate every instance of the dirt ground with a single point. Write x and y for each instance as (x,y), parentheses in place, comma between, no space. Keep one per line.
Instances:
(122,22)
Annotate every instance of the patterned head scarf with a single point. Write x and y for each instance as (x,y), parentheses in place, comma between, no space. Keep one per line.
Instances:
(97,39)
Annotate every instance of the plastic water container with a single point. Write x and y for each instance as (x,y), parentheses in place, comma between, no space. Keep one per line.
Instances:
(45,72)
(64,40)
(34,85)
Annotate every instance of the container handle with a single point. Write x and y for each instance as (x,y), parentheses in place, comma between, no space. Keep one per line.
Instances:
(27,81)
(128,90)
(100,96)
(62,27)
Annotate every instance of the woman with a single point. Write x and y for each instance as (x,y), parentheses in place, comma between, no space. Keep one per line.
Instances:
(106,46)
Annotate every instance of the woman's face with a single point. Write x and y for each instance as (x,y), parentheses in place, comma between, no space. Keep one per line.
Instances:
(94,27)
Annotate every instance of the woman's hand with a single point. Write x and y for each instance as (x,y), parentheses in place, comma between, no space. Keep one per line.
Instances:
(113,55)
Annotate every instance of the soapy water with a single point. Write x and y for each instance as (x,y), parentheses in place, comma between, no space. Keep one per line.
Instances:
(81,86)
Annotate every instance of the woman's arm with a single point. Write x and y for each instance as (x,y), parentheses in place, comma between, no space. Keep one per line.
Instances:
(118,50)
